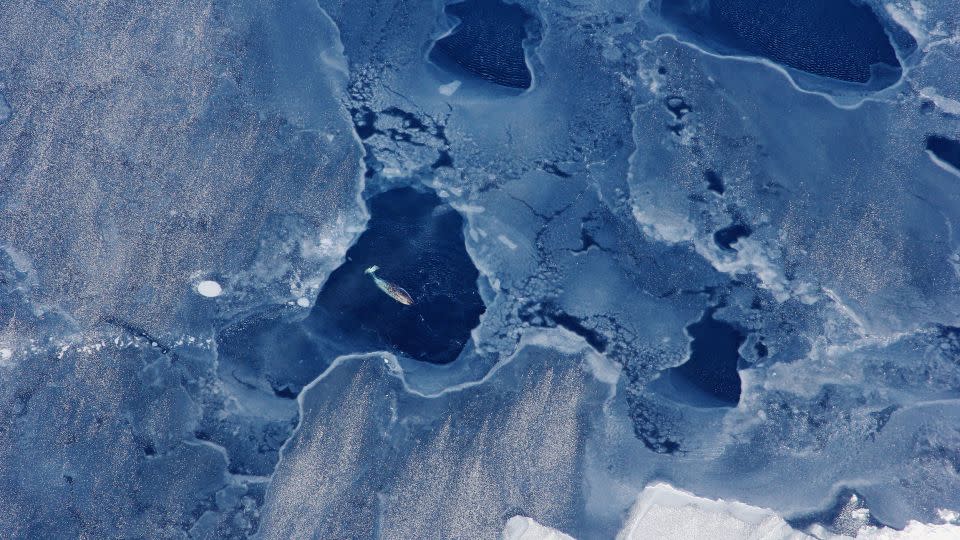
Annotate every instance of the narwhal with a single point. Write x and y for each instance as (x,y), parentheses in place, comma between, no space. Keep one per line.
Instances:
(393,291)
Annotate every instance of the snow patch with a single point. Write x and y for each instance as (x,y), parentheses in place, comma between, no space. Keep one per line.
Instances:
(450,88)
(507,242)
(664,226)
(753,259)
(209,288)
(942,164)
(909,21)
(945,104)
(948,516)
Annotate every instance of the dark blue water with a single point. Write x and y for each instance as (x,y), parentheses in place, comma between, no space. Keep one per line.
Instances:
(714,181)
(727,236)
(487,44)
(417,241)
(830,38)
(677,107)
(835,517)
(945,149)
(709,377)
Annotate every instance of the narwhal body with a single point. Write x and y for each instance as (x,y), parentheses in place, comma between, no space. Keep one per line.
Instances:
(393,291)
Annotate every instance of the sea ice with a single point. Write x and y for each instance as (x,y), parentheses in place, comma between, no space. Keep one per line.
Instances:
(680,268)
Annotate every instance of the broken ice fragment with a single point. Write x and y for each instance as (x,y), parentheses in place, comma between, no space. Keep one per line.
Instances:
(524,528)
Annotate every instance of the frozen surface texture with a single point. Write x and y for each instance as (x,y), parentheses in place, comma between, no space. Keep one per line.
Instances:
(678,268)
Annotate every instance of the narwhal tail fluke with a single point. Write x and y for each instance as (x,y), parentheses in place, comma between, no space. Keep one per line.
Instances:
(371,270)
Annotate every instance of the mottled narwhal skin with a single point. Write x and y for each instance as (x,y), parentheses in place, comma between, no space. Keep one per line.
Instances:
(393,291)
